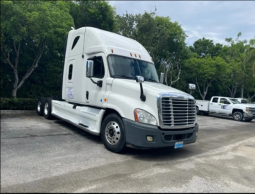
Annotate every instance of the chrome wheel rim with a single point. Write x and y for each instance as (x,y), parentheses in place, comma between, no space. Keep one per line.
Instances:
(112,133)
(46,109)
(39,106)
(237,116)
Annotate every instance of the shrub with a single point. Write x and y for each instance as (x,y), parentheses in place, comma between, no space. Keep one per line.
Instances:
(18,104)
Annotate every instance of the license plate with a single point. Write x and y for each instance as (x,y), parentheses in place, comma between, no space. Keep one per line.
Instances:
(178,144)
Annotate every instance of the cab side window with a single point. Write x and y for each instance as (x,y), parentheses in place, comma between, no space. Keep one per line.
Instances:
(98,67)
(215,100)
(224,101)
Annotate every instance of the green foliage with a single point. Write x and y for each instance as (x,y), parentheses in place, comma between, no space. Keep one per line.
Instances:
(98,14)
(204,71)
(18,104)
(29,31)
(204,47)
(33,35)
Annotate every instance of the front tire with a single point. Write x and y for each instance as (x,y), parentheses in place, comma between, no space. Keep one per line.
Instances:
(47,109)
(113,133)
(238,116)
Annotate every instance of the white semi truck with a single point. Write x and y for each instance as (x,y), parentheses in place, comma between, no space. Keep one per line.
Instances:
(110,88)
(226,106)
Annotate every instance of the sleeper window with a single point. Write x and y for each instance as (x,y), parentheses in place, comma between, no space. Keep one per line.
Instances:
(75,41)
(70,72)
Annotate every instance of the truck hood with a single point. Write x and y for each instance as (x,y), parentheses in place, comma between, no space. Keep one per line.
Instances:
(151,88)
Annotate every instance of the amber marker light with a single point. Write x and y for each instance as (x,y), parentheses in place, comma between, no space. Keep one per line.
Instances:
(140,56)
(136,116)
(112,50)
(135,55)
(131,54)
(105,99)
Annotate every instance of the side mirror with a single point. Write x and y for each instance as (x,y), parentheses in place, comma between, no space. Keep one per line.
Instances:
(162,78)
(139,79)
(90,68)
(192,86)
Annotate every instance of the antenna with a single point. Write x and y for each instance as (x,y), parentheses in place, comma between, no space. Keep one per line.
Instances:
(72,28)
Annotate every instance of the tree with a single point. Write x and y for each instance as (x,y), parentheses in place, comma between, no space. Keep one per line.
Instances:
(32,26)
(237,54)
(205,47)
(98,14)
(204,71)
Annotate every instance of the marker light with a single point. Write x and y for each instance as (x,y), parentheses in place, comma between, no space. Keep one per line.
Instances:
(131,54)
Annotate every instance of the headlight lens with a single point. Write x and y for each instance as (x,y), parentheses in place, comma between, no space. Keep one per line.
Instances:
(144,117)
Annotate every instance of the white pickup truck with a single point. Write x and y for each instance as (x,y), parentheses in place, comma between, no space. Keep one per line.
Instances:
(226,106)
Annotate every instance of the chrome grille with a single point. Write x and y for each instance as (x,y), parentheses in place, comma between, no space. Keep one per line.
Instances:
(177,112)
(252,110)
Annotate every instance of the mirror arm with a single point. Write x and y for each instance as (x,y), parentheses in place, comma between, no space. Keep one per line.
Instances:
(98,83)
(142,96)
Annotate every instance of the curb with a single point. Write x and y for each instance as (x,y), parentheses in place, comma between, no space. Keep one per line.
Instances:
(18,112)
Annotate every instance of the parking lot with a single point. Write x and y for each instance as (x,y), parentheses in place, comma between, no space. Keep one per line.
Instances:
(39,155)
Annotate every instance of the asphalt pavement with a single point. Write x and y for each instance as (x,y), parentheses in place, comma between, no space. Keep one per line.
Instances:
(39,155)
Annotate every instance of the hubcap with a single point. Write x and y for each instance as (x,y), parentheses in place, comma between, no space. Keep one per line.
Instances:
(112,133)
(39,106)
(46,109)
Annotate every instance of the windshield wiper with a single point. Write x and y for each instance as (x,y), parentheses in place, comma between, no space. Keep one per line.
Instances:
(123,76)
(148,79)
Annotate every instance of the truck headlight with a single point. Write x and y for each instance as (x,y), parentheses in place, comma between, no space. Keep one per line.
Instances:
(247,109)
(144,117)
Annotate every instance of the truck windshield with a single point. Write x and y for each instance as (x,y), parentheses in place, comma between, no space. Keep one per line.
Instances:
(234,101)
(128,68)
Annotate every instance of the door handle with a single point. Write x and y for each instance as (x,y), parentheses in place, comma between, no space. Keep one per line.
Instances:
(87,95)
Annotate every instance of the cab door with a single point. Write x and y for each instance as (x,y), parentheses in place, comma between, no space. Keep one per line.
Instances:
(94,93)
(225,106)
(214,105)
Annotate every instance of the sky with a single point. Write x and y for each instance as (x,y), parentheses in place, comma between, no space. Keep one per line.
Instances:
(215,20)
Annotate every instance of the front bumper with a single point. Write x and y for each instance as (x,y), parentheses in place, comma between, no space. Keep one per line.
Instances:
(248,115)
(136,135)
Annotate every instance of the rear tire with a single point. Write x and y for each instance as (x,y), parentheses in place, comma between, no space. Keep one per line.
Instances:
(238,116)
(47,109)
(40,106)
(113,133)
